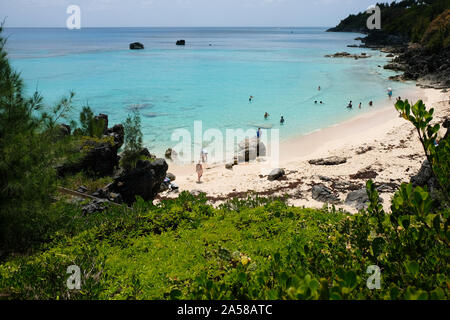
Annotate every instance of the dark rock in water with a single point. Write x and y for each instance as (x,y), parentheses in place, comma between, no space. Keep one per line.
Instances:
(94,206)
(331,161)
(136,46)
(347,55)
(323,194)
(181,42)
(144,181)
(276,174)
(358,199)
(395,66)
(171,154)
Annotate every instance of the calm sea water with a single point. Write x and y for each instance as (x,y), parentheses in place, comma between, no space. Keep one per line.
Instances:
(210,79)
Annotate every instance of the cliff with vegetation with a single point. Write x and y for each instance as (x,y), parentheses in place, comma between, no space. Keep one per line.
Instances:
(417,32)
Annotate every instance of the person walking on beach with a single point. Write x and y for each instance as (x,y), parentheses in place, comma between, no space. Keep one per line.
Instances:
(390,93)
(282,120)
(199,169)
(258,133)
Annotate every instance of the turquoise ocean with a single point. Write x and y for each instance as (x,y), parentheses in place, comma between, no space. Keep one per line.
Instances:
(209,79)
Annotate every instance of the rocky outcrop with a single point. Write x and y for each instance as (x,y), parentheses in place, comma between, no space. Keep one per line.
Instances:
(358,199)
(276,174)
(98,155)
(136,46)
(323,194)
(395,66)
(181,42)
(347,55)
(331,161)
(144,181)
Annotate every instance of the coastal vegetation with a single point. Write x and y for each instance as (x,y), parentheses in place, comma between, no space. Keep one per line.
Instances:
(419,21)
(185,248)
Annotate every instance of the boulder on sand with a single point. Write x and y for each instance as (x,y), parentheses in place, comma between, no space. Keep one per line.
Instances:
(331,161)
(323,194)
(276,174)
(358,199)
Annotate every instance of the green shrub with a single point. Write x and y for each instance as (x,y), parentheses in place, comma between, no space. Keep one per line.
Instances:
(133,142)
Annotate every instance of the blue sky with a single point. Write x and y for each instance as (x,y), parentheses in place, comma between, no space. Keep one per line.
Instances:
(189,13)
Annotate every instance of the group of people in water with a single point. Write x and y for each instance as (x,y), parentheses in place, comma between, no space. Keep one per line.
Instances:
(267,115)
(350,105)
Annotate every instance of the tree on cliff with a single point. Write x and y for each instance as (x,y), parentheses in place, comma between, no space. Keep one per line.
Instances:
(28,150)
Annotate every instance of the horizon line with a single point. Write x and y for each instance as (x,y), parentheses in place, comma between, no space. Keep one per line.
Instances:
(128,27)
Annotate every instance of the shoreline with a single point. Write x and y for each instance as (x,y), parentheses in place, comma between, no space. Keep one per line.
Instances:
(390,151)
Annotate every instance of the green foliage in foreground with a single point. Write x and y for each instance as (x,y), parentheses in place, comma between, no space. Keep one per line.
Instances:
(255,249)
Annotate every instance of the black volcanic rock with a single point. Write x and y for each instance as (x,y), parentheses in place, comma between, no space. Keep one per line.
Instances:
(136,46)
(144,181)
(181,42)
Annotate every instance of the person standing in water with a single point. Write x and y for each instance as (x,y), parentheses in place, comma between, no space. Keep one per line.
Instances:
(250,99)
(282,120)
(350,105)
(370,103)
(360,105)
(319,88)
(199,169)
(266,115)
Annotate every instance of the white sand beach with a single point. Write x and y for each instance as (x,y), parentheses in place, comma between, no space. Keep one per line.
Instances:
(377,144)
